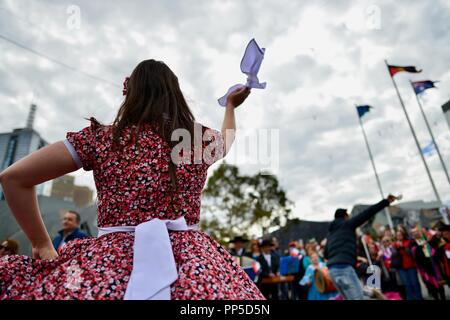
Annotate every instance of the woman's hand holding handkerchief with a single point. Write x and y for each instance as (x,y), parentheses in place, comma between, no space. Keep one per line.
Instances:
(250,64)
(237,97)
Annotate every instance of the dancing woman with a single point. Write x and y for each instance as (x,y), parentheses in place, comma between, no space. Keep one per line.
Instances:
(149,245)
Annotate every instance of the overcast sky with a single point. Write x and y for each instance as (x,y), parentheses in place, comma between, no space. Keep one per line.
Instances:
(322,57)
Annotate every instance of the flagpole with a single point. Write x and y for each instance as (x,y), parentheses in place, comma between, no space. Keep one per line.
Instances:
(366,250)
(386,211)
(431,133)
(438,198)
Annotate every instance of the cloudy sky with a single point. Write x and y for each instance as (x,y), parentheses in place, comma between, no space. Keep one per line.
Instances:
(322,57)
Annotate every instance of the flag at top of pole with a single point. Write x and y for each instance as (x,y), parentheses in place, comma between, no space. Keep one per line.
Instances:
(421,86)
(362,110)
(394,69)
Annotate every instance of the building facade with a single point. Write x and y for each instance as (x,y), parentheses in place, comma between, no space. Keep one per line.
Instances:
(406,213)
(64,188)
(17,144)
(82,196)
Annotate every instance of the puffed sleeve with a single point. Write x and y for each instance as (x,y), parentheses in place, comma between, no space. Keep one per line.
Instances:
(81,145)
(214,146)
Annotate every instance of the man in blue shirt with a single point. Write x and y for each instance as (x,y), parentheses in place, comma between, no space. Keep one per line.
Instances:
(70,230)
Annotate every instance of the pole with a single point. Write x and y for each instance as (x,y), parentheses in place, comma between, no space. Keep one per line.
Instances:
(431,133)
(438,198)
(366,250)
(386,211)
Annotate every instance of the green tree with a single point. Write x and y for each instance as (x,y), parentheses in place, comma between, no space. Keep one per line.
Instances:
(237,204)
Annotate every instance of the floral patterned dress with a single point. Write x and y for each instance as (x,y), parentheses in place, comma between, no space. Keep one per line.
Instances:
(133,187)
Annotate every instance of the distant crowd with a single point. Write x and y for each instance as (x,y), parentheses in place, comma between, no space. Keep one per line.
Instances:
(405,257)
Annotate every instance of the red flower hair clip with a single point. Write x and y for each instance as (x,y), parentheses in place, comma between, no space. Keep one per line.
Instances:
(125,86)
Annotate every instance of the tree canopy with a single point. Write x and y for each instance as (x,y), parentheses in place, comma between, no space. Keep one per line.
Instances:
(237,204)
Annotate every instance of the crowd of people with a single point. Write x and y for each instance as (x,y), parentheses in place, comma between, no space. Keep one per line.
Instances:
(405,256)
(284,274)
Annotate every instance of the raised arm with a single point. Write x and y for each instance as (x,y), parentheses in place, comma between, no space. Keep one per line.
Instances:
(364,216)
(235,99)
(18,182)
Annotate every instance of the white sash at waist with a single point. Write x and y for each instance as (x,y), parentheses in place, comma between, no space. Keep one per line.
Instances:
(154,268)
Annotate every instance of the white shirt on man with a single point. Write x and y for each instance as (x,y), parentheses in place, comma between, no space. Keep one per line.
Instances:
(267,256)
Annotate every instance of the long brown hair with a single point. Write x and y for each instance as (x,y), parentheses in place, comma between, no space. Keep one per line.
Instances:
(153,96)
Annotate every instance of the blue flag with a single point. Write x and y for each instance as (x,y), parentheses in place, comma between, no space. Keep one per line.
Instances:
(421,86)
(428,149)
(362,110)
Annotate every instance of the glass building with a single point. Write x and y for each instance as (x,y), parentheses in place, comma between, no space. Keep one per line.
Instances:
(19,143)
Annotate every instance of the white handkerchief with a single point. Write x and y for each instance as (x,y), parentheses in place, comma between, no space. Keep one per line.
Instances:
(250,64)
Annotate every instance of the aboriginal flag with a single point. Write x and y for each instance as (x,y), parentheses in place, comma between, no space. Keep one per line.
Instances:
(394,69)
